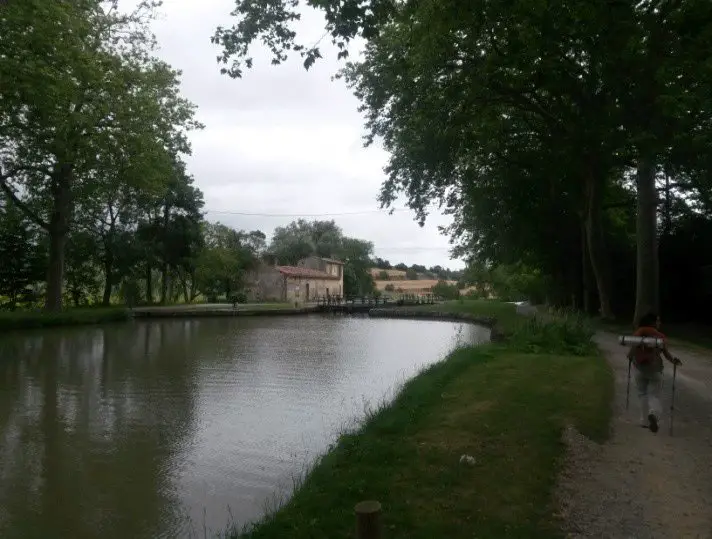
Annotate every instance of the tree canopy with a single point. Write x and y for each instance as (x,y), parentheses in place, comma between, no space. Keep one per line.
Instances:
(302,238)
(547,129)
(87,114)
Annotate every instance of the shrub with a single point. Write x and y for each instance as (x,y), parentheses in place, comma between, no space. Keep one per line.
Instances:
(446,291)
(566,334)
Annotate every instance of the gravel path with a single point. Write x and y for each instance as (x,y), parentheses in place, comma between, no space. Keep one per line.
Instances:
(639,484)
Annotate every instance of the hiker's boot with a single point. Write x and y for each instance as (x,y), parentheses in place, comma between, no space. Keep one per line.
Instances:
(653,422)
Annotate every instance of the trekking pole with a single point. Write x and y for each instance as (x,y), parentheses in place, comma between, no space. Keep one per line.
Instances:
(672,398)
(627,391)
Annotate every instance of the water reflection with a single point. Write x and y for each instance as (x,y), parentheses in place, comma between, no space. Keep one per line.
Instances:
(147,429)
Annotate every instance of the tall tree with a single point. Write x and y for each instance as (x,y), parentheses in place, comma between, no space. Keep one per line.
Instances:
(24,263)
(80,83)
(596,88)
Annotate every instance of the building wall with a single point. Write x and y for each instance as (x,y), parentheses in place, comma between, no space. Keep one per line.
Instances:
(316,263)
(318,288)
(266,284)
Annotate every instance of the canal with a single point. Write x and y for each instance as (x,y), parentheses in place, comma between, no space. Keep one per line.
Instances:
(168,428)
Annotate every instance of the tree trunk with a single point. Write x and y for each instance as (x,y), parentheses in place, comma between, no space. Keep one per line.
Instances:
(186,294)
(164,266)
(647,276)
(596,243)
(667,228)
(58,231)
(149,284)
(193,287)
(108,280)
(164,282)
(587,282)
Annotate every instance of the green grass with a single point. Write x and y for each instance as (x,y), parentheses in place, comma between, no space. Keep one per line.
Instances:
(501,404)
(69,317)
(505,313)
(263,306)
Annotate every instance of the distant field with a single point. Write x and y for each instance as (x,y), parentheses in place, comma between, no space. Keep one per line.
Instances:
(410,286)
(392,273)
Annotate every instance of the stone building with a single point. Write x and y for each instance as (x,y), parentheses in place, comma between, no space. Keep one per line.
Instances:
(312,278)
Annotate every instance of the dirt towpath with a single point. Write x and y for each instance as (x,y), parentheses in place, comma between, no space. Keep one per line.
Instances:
(639,484)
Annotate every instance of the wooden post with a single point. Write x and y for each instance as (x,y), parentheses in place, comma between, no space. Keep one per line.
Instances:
(368,520)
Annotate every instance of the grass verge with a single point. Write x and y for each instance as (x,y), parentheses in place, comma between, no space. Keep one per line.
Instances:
(505,405)
(10,321)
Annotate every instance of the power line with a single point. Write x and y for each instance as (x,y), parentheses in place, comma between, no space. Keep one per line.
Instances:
(384,212)
(378,248)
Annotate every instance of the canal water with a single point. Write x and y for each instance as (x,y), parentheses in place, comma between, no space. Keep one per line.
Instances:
(171,428)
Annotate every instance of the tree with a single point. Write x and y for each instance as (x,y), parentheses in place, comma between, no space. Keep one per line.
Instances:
(81,274)
(356,255)
(23,262)
(224,259)
(411,274)
(446,291)
(79,85)
(380,263)
(383,275)
(302,238)
(539,106)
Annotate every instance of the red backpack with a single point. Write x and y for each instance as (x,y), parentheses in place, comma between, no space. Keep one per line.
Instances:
(644,354)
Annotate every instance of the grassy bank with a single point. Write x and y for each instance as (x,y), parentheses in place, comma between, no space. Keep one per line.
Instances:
(71,317)
(503,404)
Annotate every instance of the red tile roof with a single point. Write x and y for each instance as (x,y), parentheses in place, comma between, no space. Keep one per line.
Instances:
(305,273)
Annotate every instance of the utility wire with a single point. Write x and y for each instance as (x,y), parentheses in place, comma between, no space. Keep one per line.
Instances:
(385,212)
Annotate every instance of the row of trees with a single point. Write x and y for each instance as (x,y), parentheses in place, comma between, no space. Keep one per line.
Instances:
(416,271)
(93,131)
(303,238)
(166,253)
(549,130)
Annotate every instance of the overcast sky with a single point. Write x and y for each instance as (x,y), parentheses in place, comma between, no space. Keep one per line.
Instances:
(282,140)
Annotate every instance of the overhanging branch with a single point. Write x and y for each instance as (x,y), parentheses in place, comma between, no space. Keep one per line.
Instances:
(20,204)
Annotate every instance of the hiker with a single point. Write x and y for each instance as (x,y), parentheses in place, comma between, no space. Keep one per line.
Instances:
(649,369)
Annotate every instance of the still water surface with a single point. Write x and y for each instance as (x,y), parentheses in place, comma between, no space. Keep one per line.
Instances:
(164,429)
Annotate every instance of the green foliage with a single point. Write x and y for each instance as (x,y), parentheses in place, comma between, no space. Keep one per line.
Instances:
(565,334)
(518,283)
(82,280)
(516,118)
(302,238)
(383,275)
(223,261)
(446,291)
(411,274)
(86,111)
(23,261)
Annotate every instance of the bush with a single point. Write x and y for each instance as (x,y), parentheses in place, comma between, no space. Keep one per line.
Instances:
(390,287)
(446,291)
(239,297)
(566,334)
